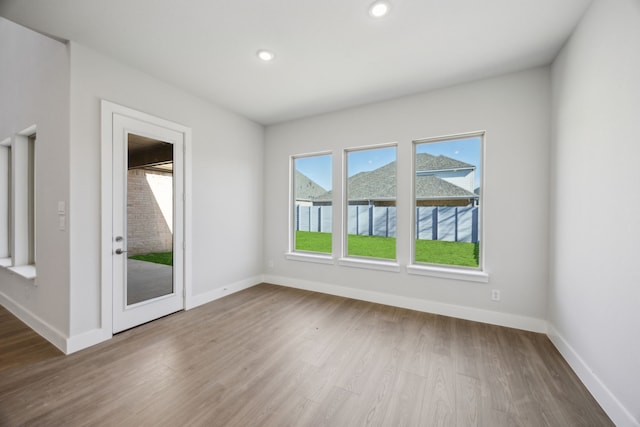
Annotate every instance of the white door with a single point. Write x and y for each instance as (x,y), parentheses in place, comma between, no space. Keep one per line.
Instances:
(148,221)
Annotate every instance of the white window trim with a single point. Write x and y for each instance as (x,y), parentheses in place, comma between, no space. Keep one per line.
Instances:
(23,241)
(370,263)
(318,258)
(26,271)
(474,274)
(292,253)
(5,205)
(354,261)
(456,273)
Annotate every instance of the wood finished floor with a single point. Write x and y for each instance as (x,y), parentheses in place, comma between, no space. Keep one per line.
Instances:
(274,356)
(21,346)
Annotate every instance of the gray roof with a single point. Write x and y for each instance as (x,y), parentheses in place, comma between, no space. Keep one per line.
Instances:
(327,196)
(380,184)
(428,162)
(306,188)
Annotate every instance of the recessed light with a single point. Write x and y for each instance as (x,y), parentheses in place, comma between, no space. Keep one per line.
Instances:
(265,55)
(379,8)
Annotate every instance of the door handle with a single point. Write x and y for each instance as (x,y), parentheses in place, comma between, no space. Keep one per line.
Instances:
(120,251)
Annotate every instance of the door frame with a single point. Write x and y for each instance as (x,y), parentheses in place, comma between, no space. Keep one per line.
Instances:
(108,111)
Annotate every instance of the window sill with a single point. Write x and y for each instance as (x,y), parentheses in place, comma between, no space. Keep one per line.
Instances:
(5,262)
(26,271)
(448,273)
(309,257)
(370,264)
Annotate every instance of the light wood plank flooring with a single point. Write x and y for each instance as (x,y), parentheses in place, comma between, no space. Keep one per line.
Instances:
(273,356)
(19,345)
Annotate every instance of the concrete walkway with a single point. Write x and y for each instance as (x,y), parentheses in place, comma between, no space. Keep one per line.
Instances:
(147,280)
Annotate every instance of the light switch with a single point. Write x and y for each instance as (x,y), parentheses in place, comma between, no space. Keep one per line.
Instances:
(61,208)
(61,222)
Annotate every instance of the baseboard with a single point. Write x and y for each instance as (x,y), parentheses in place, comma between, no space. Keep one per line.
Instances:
(45,330)
(461,312)
(611,405)
(200,299)
(87,339)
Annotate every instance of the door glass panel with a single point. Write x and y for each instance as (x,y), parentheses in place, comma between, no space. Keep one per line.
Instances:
(149,219)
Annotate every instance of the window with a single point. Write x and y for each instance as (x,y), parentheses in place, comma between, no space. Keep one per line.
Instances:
(21,208)
(31,199)
(447,195)
(444,212)
(371,203)
(312,203)
(5,202)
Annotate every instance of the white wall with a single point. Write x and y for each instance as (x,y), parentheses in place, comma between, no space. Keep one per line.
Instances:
(514,110)
(226,173)
(594,296)
(34,90)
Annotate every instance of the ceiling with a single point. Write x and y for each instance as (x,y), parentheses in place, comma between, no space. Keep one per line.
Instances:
(149,153)
(330,54)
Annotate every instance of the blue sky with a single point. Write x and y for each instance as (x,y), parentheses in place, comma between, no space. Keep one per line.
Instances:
(318,168)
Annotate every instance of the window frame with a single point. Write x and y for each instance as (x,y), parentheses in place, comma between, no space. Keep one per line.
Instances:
(475,274)
(22,204)
(6,209)
(301,255)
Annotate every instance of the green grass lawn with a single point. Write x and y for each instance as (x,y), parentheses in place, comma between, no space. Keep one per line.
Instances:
(428,251)
(449,253)
(313,242)
(372,246)
(165,258)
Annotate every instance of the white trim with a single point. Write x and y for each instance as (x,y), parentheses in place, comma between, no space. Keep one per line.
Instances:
(44,329)
(461,312)
(23,204)
(187,222)
(292,206)
(309,257)
(200,299)
(26,271)
(448,273)
(370,264)
(5,262)
(106,186)
(5,201)
(611,405)
(87,339)
(29,131)
(451,137)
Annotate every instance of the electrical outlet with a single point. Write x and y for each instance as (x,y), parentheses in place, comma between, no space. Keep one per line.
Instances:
(495,295)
